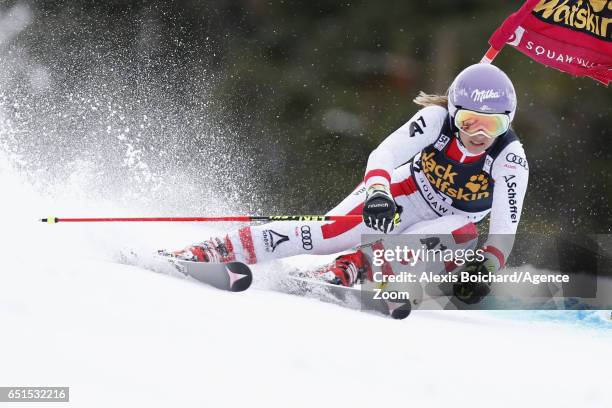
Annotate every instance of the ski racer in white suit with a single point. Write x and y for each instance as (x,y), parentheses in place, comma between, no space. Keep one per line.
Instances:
(453,163)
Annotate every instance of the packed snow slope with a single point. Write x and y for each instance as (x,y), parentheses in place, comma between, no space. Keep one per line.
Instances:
(123,336)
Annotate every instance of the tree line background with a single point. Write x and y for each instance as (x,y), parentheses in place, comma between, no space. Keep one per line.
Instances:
(304,90)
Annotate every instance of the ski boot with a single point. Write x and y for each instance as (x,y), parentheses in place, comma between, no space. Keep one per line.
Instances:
(347,269)
(213,250)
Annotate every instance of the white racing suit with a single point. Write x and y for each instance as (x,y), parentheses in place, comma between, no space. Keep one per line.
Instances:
(441,187)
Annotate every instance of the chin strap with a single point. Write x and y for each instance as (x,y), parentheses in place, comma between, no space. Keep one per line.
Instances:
(458,138)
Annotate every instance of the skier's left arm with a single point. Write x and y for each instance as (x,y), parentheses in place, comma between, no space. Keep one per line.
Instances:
(510,172)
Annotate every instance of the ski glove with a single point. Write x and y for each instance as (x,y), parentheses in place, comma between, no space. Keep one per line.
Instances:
(380,212)
(473,292)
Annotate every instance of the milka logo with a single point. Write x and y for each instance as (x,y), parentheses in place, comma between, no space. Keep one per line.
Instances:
(479,96)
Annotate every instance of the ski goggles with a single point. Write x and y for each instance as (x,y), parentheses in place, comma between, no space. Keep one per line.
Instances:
(491,125)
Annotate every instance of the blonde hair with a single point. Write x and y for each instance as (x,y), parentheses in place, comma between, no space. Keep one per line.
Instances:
(424,99)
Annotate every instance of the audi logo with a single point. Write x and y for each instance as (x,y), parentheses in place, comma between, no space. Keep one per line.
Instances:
(306,237)
(513,158)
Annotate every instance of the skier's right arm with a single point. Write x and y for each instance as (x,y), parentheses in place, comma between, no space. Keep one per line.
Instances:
(400,146)
(380,211)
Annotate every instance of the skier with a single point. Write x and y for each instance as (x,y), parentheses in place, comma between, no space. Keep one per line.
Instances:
(454,162)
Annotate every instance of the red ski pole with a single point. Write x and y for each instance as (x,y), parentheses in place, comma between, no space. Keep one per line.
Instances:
(243,218)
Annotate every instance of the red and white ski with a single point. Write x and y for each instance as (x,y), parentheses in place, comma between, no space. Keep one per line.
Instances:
(232,276)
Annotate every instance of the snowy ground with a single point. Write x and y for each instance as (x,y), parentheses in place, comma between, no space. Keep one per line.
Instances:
(123,336)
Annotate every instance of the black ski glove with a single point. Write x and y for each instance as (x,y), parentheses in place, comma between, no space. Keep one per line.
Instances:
(473,292)
(380,212)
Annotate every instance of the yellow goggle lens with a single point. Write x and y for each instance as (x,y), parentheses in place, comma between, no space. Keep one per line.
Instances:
(490,124)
